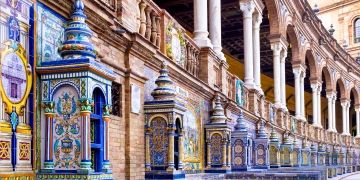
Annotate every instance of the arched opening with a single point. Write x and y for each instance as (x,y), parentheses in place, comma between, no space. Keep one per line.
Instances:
(340,94)
(352,113)
(307,87)
(177,143)
(325,86)
(357,30)
(97,130)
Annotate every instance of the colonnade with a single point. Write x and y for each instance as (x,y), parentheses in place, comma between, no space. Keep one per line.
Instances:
(205,36)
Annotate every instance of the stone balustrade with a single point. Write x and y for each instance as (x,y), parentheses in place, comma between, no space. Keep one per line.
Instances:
(150,22)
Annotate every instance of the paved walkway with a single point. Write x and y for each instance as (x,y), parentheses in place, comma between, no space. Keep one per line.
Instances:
(352,176)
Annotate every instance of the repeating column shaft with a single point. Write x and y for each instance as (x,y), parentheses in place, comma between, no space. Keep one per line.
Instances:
(201,23)
(297,93)
(283,79)
(276,57)
(344,116)
(256,39)
(171,149)
(302,95)
(147,151)
(314,104)
(224,154)
(319,105)
(329,98)
(248,9)
(357,110)
(333,118)
(215,26)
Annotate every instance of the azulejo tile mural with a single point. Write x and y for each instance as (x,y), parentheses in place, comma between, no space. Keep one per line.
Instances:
(67,135)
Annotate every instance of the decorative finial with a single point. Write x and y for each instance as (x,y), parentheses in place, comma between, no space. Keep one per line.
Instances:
(331,30)
(164,89)
(304,143)
(77,34)
(312,147)
(286,138)
(316,9)
(218,115)
(261,132)
(240,126)
(273,135)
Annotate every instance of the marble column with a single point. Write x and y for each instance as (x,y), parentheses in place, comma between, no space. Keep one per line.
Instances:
(215,26)
(224,154)
(315,99)
(201,24)
(49,119)
(257,19)
(171,163)
(333,118)
(181,149)
(345,112)
(147,149)
(348,118)
(208,147)
(276,48)
(330,96)
(297,74)
(319,104)
(229,154)
(283,78)
(85,163)
(106,162)
(302,98)
(357,110)
(247,9)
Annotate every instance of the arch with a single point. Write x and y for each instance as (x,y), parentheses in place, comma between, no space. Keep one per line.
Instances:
(61,85)
(156,116)
(292,38)
(328,78)
(274,14)
(356,27)
(310,59)
(341,84)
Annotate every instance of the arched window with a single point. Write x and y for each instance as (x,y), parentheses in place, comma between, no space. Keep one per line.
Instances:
(97,131)
(357,30)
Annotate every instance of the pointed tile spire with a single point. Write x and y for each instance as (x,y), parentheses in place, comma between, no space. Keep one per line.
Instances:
(164,89)
(77,36)
(261,134)
(240,126)
(218,115)
(286,138)
(273,135)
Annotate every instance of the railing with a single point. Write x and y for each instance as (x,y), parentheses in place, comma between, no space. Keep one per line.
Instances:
(150,22)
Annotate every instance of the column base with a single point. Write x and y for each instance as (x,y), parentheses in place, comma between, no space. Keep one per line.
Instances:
(300,118)
(85,167)
(357,136)
(106,167)
(346,134)
(203,42)
(316,125)
(250,85)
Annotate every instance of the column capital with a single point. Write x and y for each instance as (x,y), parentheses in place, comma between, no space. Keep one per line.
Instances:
(257,20)
(345,102)
(247,7)
(357,107)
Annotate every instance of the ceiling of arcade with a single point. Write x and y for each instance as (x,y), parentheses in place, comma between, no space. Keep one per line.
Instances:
(232,39)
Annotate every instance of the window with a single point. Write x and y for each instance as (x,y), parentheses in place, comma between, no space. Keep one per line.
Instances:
(116,99)
(357,30)
(14,90)
(97,131)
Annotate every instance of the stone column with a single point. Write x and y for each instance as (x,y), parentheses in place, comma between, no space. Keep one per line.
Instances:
(224,154)
(329,96)
(348,118)
(171,163)
(208,147)
(283,78)
(49,118)
(319,105)
(345,110)
(106,118)
(357,110)
(297,74)
(247,9)
(276,47)
(201,24)
(333,118)
(215,26)
(229,154)
(257,19)
(302,98)
(147,149)
(181,149)
(86,107)
(315,109)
